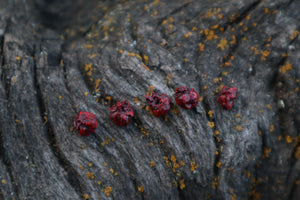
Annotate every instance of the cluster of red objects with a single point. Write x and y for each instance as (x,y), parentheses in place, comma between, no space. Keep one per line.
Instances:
(85,123)
(121,113)
(227,95)
(160,104)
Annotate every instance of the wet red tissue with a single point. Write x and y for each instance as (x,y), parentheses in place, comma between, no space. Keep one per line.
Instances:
(121,113)
(159,103)
(186,97)
(85,123)
(227,95)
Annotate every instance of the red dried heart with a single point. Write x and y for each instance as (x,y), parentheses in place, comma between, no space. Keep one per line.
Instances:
(121,113)
(227,95)
(159,103)
(186,97)
(85,123)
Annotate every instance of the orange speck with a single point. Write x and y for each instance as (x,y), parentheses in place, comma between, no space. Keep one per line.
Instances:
(238,128)
(211,124)
(60,97)
(173,159)
(210,113)
(218,164)
(201,47)
(141,188)
(181,184)
(286,67)
(297,153)
(86,196)
(271,128)
(223,44)
(86,93)
(90,164)
(295,34)
(152,164)
(107,191)
(288,139)
(3,181)
(216,133)
(188,34)
(89,175)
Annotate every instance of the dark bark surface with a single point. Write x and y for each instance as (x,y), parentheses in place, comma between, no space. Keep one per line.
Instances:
(61,57)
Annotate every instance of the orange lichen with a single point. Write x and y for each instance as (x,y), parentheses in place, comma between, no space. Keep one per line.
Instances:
(141,188)
(193,166)
(211,124)
(294,35)
(173,159)
(271,129)
(289,139)
(238,128)
(86,196)
(90,175)
(297,152)
(264,54)
(188,34)
(210,34)
(266,152)
(216,133)
(286,67)
(107,191)
(223,44)
(201,47)
(210,113)
(218,164)
(152,164)
(181,184)
(3,181)
(269,106)
(255,51)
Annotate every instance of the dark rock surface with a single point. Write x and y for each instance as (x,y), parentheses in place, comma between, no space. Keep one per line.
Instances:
(61,57)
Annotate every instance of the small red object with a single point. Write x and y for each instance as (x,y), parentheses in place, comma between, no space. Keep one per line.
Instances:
(121,113)
(227,95)
(186,97)
(85,123)
(159,103)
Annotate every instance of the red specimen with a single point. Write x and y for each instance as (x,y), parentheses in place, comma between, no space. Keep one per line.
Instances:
(186,97)
(121,113)
(159,103)
(227,95)
(85,123)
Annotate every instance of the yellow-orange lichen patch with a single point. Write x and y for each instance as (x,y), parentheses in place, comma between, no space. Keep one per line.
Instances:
(181,184)
(86,196)
(222,44)
(297,152)
(193,166)
(107,191)
(90,175)
(266,152)
(218,164)
(210,113)
(289,139)
(211,124)
(264,54)
(238,128)
(141,188)
(294,35)
(188,35)
(201,47)
(286,67)
(210,34)
(152,164)
(271,129)
(3,181)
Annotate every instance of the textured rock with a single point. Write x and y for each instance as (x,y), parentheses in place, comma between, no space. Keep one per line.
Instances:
(61,57)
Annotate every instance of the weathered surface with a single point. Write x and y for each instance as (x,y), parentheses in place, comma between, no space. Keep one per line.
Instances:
(60,57)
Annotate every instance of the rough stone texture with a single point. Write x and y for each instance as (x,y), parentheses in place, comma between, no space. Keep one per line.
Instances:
(61,57)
